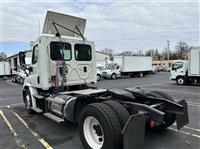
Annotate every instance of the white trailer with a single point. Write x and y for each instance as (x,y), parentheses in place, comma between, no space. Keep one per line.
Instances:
(187,72)
(128,65)
(4,69)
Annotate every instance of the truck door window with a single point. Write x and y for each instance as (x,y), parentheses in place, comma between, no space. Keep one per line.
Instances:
(83,52)
(35,54)
(60,51)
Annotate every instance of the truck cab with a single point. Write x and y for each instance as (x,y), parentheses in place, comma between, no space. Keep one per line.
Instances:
(61,61)
(178,71)
(112,71)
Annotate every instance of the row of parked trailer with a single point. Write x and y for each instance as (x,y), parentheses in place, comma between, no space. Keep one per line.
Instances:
(18,74)
(124,66)
(182,71)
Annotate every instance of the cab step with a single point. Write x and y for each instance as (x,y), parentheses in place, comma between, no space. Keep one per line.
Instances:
(37,109)
(38,96)
(54,117)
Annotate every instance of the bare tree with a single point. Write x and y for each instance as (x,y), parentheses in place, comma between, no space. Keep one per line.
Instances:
(109,52)
(182,49)
(126,53)
(2,56)
(150,52)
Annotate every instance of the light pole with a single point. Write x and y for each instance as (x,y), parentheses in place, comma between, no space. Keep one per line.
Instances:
(168,50)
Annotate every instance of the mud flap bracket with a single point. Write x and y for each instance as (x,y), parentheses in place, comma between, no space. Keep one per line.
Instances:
(134,132)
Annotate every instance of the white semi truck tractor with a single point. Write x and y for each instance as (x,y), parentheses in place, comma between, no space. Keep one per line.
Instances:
(187,72)
(58,86)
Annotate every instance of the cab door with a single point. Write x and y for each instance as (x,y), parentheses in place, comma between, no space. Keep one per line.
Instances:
(34,69)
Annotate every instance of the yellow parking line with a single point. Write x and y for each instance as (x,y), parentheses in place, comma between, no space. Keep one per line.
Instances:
(13,132)
(40,139)
(11,83)
(183,132)
(8,124)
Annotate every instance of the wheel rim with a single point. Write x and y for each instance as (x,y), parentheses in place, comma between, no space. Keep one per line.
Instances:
(98,77)
(93,132)
(180,81)
(114,76)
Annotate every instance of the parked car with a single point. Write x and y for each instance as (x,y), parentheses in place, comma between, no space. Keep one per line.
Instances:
(100,68)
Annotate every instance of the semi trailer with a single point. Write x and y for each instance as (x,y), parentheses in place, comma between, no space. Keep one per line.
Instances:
(128,66)
(187,71)
(4,69)
(58,86)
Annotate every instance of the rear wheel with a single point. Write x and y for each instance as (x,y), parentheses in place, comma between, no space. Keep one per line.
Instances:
(121,112)
(99,127)
(180,81)
(169,118)
(28,101)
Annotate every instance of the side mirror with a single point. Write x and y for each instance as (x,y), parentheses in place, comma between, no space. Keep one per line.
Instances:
(30,69)
(22,58)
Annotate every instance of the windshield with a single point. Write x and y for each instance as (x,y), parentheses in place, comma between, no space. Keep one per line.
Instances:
(60,51)
(112,66)
(100,67)
(177,65)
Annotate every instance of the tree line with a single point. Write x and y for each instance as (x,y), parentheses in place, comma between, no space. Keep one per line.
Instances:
(180,52)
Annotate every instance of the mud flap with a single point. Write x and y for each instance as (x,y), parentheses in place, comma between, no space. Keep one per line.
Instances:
(182,119)
(134,132)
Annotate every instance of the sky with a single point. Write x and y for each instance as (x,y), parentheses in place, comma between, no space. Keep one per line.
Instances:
(116,24)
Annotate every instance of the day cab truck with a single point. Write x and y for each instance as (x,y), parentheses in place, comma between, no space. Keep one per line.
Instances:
(58,86)
(128,66)
(187,72)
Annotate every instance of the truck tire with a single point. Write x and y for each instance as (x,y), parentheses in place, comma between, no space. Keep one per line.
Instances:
(113,76)
(98,77)
(169,118)
(121,112)
(180,80)
(99,127)
(28,101)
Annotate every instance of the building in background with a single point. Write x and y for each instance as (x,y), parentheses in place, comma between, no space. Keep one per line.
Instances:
(14,60)
(162,64)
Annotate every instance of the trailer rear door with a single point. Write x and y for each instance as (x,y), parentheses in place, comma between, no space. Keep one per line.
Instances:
(194,62)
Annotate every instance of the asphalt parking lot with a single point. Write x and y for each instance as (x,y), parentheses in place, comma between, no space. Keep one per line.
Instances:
(18,129)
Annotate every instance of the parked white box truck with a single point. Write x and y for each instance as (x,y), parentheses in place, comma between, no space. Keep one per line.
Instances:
(4,69)
(186,72)
(128,65)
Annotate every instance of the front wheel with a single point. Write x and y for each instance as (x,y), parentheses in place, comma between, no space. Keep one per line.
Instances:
(113,76)
(98,77)
(28,101)
(99,127)
(180,81)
